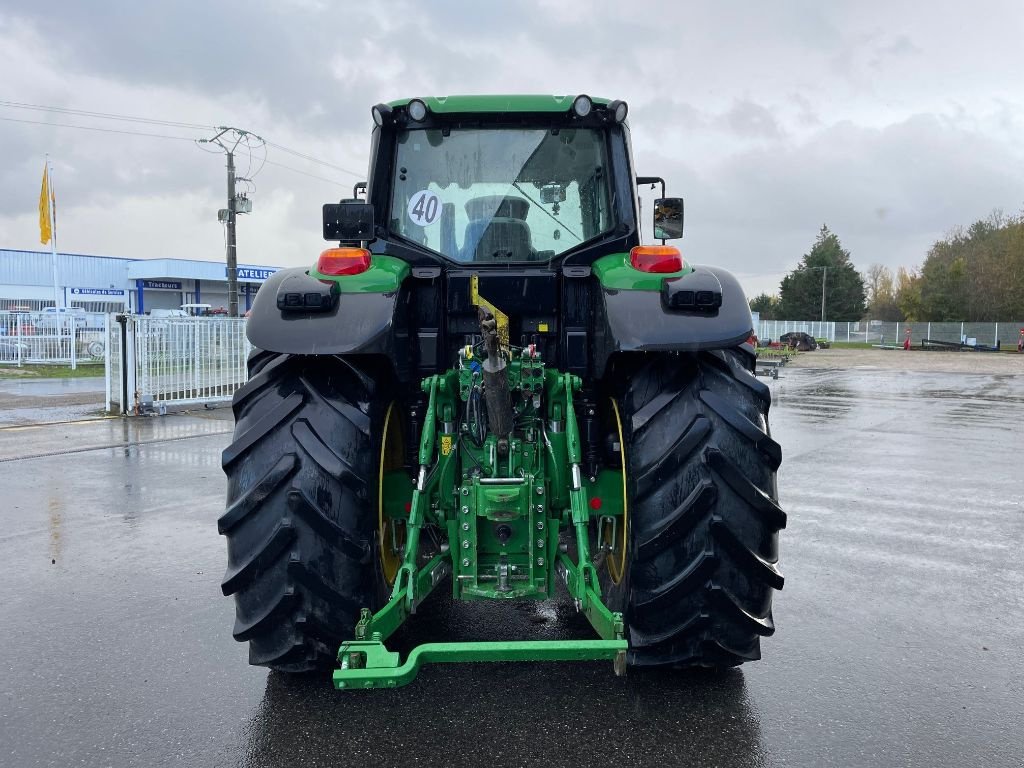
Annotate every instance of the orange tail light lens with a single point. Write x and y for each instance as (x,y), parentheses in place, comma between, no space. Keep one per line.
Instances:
(656,258)
(343,261)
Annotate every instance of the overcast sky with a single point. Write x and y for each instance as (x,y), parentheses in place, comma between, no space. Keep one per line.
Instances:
(891,122)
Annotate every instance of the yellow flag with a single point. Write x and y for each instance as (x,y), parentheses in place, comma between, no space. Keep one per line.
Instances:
(45,197)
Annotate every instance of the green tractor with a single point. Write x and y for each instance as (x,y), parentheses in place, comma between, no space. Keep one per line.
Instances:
(492,384)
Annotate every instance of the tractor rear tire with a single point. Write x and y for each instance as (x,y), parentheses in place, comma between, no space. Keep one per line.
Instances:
(301,514)
(704,516)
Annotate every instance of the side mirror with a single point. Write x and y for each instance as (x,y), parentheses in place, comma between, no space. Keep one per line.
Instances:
(348,221)
(668,218)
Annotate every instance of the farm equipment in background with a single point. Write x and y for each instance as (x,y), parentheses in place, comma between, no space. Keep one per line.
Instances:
(491,383)
(798,340)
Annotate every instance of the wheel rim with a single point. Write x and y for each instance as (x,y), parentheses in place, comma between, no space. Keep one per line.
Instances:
(391,452)
(617,564)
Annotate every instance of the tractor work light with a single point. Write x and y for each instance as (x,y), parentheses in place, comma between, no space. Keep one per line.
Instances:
(417,110)
(343,261)
(700,291)
(618,110)
(299,293)
(381,114)
(656,258)
(582,105)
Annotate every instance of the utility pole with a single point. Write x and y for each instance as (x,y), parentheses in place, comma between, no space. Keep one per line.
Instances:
(228,140)
(232,247)
(824,272)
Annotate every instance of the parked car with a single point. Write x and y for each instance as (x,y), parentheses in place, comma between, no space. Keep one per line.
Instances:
(16,321)
(799,340)
(165,313)
(11,350)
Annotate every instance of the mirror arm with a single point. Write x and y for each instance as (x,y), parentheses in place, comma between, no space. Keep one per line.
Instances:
(641,180)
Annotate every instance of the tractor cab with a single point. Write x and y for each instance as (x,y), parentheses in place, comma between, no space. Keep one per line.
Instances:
(501,181)
(527,193)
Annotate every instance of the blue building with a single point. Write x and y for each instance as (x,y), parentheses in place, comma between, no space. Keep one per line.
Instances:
(112,284)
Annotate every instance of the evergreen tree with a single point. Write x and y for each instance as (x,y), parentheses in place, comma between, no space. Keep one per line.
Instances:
(800,292)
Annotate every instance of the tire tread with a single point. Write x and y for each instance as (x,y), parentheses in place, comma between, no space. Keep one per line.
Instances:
(297,520)
(704,517)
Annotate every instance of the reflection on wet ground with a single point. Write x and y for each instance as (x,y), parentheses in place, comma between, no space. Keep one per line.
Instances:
(898,643)
(42,387)
(38,401)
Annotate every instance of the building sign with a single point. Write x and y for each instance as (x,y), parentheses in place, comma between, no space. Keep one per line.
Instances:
(96,291)
(162,285)
(253,273)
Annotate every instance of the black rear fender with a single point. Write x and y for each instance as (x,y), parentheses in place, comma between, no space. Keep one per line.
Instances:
(357,323)
(640,321)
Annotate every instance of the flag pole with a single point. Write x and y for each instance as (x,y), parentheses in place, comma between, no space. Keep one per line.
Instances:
(58,297)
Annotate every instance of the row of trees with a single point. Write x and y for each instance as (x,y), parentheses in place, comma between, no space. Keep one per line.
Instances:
(973,274)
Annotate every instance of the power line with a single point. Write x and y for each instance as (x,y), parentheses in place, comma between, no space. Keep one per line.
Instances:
(95,128)
(164,136)
(167,123)
(304,173)
(262,145)
(312,159)
(103,115)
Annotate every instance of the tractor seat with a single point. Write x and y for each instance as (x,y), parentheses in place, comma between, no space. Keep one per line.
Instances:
(498,239)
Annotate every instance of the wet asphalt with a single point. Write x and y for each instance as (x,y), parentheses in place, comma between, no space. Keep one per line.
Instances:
(46,401)
(900,635)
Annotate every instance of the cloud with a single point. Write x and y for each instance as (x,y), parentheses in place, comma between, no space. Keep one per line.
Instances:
(769,119)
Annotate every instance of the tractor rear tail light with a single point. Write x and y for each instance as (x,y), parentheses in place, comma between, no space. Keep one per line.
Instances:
(343,261)
(656,258)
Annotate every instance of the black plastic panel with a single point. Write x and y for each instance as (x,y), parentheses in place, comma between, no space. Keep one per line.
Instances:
(637,321)
(360,323)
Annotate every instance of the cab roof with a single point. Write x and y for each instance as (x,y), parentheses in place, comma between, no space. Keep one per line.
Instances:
(496,103)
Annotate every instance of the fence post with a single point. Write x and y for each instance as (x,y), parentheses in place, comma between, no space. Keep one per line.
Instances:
(17,335)
(848,332)
(196,357)
(929,329)
(106,361)
(73,336)
(963,338)
(996,342)
(897,342)
(127,362)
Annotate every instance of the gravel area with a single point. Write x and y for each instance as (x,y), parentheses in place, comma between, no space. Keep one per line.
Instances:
(912,360)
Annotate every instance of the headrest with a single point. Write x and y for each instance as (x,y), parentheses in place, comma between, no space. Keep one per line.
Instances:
(497,206)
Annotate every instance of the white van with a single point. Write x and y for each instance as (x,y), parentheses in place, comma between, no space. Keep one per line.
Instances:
(53,317)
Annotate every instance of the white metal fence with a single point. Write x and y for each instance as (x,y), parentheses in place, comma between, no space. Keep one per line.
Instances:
(771,330)
(52,336)
(1002,334)
(157,362)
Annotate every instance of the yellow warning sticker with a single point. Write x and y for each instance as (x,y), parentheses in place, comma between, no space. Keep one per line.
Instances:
(446,444)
